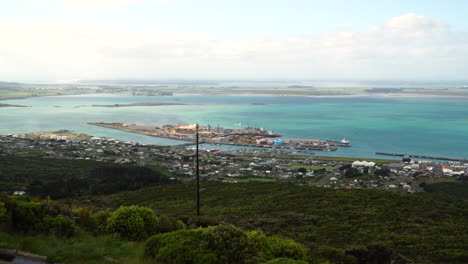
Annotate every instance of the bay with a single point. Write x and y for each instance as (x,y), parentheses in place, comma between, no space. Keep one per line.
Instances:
(427,126)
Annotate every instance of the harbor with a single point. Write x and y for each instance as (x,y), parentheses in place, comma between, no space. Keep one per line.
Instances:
(246,137)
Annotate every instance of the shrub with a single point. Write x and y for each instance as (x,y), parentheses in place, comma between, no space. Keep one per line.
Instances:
(334,255)
(375,253)
(229,243)
(166,224)
(274,247)
(59,225)
(27,216)
(179,247)
(3,212)
(223,244)
(85,219)
(100,220)
(134,222)
(285,261)
(202,221)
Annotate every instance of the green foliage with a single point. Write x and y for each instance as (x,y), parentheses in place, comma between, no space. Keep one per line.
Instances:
(166,224)
(62,178)
(452,190)
(376,253)
(59,225)
(133,222)
(82,248)
(229,243)
(223,244)
(179,247)
(85,219)
(100,221)
(273,247)
(421,227)
(285,261)
(27,216)
(3,212)
(352,173)
(382,172)
(334,255)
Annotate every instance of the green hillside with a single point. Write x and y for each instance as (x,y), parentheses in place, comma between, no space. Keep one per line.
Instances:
(420,227)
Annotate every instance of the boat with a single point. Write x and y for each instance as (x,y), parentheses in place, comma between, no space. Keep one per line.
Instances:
(343,142)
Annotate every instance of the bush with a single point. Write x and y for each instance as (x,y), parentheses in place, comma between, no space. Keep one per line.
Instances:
(375,253)
(229,243)
(134,222)
(202,221)
(274,247)
(285,261)
(85,219)
(179,247)
(225,244)
(100,220)
(59,225)
(334,255)
(166,224)
(27,216)
(3,212)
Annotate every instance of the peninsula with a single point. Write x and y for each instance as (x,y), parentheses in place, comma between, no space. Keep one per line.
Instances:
(247,136)
(11,105)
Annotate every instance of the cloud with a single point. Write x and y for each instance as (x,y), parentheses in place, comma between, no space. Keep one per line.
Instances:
(405,47)
(92,4)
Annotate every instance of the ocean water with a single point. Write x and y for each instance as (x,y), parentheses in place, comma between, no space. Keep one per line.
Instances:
(427,126)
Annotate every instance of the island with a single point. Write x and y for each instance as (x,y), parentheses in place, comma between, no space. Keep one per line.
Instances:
(11,105)
(137,104)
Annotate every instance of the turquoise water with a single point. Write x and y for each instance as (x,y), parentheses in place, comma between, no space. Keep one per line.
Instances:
(429,126)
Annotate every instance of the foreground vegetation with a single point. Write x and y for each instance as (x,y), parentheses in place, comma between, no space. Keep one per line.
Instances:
(76,235)
(104,215)
(422,227)
(70,178)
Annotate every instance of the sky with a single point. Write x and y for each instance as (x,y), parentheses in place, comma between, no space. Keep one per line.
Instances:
(67,40)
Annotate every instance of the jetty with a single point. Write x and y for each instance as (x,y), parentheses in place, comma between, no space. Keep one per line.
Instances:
(420,156)
(246,137)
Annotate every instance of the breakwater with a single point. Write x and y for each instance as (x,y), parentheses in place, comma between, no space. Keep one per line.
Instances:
(421,156)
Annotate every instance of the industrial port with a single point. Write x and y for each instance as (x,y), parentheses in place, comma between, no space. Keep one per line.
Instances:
(248,136)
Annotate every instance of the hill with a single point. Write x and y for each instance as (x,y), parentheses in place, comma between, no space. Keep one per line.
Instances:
(421,227)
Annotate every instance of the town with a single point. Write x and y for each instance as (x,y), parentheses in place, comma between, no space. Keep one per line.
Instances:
(239,165)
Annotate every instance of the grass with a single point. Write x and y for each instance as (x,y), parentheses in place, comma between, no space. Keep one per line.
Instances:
(252,179)
(82,248)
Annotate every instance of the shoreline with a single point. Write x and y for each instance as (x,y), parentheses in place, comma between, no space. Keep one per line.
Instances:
(389,95)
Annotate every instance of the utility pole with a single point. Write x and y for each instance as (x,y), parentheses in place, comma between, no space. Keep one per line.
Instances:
(198,173)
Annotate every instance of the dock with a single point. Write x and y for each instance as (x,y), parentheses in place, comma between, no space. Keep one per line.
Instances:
(246,137)
(420,156)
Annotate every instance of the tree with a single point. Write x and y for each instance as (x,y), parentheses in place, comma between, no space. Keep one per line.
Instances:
(352,173)
(302,170)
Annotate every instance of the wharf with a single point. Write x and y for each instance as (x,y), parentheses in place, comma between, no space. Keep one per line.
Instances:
(248,137)
(421,156)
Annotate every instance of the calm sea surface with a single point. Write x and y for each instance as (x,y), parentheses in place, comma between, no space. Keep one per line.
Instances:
(430,126)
